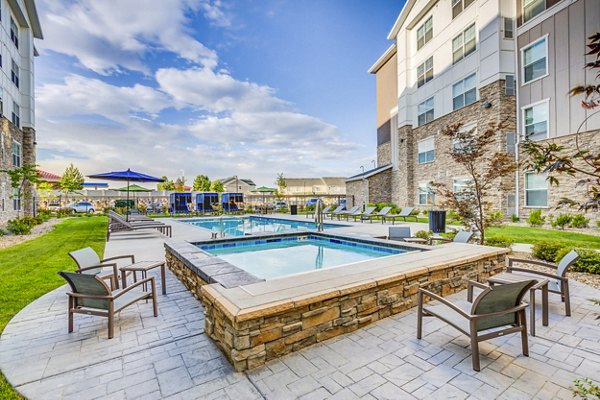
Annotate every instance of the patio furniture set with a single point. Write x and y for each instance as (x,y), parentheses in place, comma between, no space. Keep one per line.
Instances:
(117,223)
(369,214)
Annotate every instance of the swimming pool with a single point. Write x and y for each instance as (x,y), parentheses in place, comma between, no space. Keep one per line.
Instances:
(241,226)
(276,257)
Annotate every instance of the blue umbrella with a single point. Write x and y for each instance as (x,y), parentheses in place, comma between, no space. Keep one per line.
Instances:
(129,176)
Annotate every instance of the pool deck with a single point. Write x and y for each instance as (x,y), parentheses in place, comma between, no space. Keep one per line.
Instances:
(171,357)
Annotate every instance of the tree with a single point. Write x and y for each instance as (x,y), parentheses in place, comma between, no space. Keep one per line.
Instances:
(19,178)
(281,185)
(550,157)
(71,181)
(217,186)
(166,184)
(474,151)
(45,192)
(179,184)
(202,183)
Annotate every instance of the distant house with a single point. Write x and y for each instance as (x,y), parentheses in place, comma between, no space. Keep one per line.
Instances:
(234,184)
(325,185)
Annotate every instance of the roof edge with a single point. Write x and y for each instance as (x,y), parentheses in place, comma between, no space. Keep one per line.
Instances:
(389,53)
(368,174)
(401,18)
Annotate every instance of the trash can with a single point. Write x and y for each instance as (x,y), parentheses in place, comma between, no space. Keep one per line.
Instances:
(437,221)
(294,209)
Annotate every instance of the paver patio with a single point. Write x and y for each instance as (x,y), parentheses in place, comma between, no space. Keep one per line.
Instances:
(170,357)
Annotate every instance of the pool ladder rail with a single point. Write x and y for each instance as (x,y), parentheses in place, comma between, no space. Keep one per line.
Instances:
(319,215)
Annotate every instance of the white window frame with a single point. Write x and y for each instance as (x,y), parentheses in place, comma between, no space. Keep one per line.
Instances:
(424,190)
(508,22)
(464,91)
(522,51)
(537,103)
(424,72)
(523,10)
(462,35)
(19,155)
(424,30)
(462,6)
(425,112)
(432,151)
(526,189)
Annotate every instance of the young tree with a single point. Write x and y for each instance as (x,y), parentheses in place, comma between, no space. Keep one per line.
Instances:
(202,183)
(217,186)
(475,152)
(281,185)
(71,181)
(551,158)
(19,178)
(45,192)
(179,184)
(166,184)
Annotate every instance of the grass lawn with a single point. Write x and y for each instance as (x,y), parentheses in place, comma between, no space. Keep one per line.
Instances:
(29,270)
(524,234)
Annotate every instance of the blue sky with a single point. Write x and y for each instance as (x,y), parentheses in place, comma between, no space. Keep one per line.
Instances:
(247,88)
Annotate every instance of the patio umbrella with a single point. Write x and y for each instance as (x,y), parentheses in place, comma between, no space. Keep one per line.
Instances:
(133,189)
(264,190)
(129,176)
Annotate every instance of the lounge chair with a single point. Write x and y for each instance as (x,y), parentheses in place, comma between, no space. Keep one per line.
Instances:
(362,215)
(118,223)
(383,212)
(460,237)
(91,296)
(311,214)
(557,282)
(88,262)
(346,213)
(335,212)
(406,212)
(497,311)
(403,234)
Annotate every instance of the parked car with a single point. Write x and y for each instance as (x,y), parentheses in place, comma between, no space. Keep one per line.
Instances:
(82,207)
(280,204)
(54,206)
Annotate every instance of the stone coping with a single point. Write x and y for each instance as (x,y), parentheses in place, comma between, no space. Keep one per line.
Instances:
(253,300)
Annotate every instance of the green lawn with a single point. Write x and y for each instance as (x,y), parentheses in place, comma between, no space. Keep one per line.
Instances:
(29,270)
(524,234)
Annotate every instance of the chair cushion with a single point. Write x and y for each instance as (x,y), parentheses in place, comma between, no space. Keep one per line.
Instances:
(133,295)
(453,317)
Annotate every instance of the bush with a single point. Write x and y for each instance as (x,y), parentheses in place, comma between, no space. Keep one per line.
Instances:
(561,221)
(546,250)
(424,234)
(580,221)
(589,260)
(64,212)
(19,226)
(499,241)
(598,223)
(514,218)
(495,218)
(535,218)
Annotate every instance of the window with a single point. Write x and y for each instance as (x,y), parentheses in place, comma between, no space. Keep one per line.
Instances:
(425,33)
(425,111)
(459,5)
(511,204)
(536,190)
(462,141)
(16,154)
(14,73)
(426,150)
(462,187)
(1,102)
(16,200)
(464,92)
(425,72)
(510,143)
(426,195)
(463,44)
(534,59)
(16,115)
(535,121)
(509,85)
(508,28)
(14,33)
(531,8)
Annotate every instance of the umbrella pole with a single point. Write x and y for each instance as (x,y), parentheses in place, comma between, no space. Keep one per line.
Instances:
(127,213)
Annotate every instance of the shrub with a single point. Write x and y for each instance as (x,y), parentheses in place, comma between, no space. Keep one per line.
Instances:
(546,250)
(64,212)
(535,218)
(499,241)
(424,234)
(598,223)
(495,218)
(514,218)
(19,226)
(589,260)
(561,221)
(586,389)
(580,221)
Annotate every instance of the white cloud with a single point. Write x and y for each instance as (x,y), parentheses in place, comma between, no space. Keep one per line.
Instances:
(214,11)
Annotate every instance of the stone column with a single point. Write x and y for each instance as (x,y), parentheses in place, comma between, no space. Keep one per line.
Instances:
(403,177)
(28,148)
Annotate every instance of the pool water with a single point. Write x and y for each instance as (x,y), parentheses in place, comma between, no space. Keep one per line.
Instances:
(280,257)
(240,226)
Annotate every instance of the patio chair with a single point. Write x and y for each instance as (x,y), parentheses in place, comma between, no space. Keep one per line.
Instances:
(311,214)
(383,212)
(460,237)
(346,213)
(406,212)
(557,282)
(362,215)
(337,210)
(88,262)
(118,223)
(497,311)
(402,234)
(91,296)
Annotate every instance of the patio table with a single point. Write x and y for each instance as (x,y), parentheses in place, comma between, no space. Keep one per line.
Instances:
(144,267)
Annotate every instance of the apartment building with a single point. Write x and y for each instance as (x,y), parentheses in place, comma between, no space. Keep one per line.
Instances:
(551,46)
(310,186)
(19,26)
(233,184)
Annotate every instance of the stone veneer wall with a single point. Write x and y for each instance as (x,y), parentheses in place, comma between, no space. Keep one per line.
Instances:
(379,187)
(356,193)
(255,337)
(567,184)
(384,153)
(405,182)
(9,134)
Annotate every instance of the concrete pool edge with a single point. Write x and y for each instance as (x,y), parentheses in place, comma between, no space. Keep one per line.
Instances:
(261,321)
